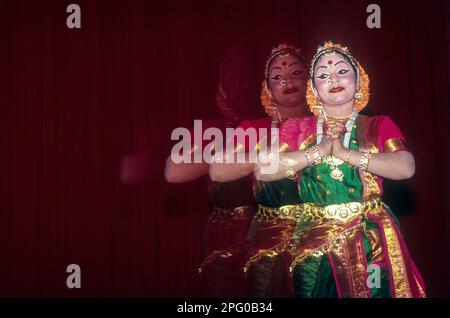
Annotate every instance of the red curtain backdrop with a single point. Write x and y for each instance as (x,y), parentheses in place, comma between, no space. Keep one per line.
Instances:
(74,102)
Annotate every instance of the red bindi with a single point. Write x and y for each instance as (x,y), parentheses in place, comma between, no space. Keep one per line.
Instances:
(330,62)
(284,63)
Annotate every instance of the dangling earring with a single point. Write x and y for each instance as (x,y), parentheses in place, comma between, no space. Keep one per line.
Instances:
(267,100)
(359,95)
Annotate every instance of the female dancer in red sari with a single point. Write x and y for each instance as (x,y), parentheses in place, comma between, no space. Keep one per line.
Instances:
(283,97)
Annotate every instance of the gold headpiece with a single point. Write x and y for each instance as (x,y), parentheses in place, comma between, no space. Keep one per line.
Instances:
(362,79)
(282,50)
(267,99)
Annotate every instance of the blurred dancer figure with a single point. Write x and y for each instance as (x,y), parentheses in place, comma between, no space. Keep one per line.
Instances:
(283,97)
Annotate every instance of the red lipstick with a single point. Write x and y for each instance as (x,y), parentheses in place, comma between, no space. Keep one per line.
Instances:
(290,90)
(336,89)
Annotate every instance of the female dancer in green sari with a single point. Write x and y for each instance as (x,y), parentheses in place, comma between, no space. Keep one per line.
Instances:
(346,242)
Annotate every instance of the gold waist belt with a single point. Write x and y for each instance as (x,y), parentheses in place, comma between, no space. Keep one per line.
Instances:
(311,212)
(265,213)
(219,213)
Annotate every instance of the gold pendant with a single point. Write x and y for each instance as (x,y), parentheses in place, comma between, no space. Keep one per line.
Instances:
(334,162)
(337,174)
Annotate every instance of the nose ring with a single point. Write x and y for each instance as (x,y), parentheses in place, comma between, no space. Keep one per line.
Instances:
(331,82)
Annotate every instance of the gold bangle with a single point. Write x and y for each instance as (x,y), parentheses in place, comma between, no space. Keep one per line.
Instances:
(316,155)
(365,158)
(309,162)
(347,160)
(289,162)
(291,174)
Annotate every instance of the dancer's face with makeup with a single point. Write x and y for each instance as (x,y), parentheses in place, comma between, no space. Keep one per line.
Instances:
(334,80)
(236,84)
(235,79)
(287,80)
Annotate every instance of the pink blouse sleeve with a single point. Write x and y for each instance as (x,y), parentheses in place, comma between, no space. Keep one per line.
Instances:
(390,138)
(289,133)
(297,132)
(240,135)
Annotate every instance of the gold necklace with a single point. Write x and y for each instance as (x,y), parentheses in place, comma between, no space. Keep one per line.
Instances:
(331,160)
(339,118)
(334,164)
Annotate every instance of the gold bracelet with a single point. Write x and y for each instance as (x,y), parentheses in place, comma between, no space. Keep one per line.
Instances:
(365,158)
(288,162)
(347,160)
(291,174)
(309,162)
(316,155)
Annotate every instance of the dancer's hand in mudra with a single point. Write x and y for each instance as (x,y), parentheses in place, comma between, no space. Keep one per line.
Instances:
(333,132)
(337,132)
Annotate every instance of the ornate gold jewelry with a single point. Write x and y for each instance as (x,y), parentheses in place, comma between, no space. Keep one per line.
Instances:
(334,164)
(363,82)
(220,214)
(290,163)
(291,174)
(344,212)
(267,100)
(359,95)
(365,158)
(267,214)
(347,159)
(339,119)
(282,50)
(217,254)
(309,162)
(317,158)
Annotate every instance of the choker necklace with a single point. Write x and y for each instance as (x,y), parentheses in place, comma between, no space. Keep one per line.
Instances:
(340,118)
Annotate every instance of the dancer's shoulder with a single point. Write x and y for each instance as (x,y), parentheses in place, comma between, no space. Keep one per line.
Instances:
(299,124)
(263,122)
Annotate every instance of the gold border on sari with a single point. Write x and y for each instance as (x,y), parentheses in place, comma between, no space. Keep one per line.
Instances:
(308,141)
(396,259)
(342,243)
(218,254)
(419,286)
(284,246)
(370,181)
(394,145)
(349,264)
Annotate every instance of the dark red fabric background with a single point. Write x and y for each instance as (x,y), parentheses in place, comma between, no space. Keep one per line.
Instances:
(74,102)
